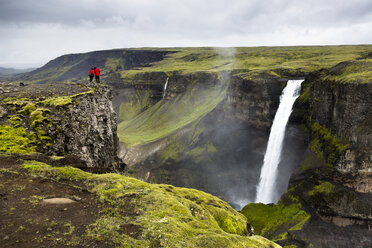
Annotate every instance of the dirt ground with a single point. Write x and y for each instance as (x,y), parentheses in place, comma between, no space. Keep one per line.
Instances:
(25,221)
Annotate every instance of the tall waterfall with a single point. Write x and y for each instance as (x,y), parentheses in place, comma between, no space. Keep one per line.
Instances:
(165,87)
(269,170)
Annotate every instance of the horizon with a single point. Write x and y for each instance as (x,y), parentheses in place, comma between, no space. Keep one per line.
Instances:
(29,67)
(33,34)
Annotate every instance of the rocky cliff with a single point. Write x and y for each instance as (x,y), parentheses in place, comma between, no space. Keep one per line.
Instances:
(329,194)
(61,120)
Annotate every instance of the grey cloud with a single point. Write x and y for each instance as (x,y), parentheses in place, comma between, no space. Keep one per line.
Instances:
(66,26)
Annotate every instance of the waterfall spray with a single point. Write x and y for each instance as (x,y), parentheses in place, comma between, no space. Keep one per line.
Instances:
(266,186)
(165,87)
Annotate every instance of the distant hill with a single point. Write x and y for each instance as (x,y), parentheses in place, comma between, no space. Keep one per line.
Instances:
(12,71)
(126,65)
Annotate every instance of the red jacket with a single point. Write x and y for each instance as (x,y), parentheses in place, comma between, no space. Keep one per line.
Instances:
(91,72)
(97,72)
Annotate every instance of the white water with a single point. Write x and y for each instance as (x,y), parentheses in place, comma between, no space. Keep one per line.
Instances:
(266,187)
(165,87)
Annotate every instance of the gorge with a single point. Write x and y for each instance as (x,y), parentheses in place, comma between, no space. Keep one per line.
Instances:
(200,118)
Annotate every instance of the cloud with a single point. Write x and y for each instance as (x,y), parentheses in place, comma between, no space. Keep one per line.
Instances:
(35,31)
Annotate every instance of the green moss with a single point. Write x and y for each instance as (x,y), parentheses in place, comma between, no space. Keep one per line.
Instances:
(322,188)
(57,101)
(271,61)
(356,71)
(197,151)
(165,216)
(64,100)
(28,108)
(305,93)
(15,140)
(38,116)
(15,120)
(326,145)
(272,221)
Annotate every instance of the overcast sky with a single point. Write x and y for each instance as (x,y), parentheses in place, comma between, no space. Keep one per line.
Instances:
(35,31)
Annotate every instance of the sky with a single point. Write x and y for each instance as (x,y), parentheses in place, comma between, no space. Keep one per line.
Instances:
(35,31)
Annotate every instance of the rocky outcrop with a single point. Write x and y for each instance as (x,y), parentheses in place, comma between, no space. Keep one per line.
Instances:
(87,130)
(66,119)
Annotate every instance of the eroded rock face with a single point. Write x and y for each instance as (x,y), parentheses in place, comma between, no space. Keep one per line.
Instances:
(87,129)
(345,109)
(65,119)
(254,102)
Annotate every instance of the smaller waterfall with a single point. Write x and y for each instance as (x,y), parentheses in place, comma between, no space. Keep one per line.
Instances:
(267,184)
(165,87)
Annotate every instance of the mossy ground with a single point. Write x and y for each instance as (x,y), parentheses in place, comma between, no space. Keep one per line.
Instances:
(133,213)
(274,221)
(272,61)
(355,71)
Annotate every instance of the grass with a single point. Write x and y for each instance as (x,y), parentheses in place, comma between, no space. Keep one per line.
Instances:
(167,216)
(253,60)
(356,71)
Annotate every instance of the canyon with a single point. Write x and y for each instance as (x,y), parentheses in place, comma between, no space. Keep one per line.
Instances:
(210,128)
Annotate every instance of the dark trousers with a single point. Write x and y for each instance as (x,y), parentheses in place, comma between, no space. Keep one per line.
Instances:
(97,79)
(91,78)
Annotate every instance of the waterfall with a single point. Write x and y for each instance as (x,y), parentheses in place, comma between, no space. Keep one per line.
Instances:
(267,184)
(165,87)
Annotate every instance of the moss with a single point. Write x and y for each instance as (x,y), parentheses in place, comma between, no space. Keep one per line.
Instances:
(63,100)
(305,93)
(356,71)
(326,145)
(57,101)
(15,120)
(270,61)
(163,215)
(38,116)
(322,188)
(28,108)
(197,151)
(272,221)
(15,140)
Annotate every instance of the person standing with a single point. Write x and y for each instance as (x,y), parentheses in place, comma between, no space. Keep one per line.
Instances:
(91,74)
(97,73)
